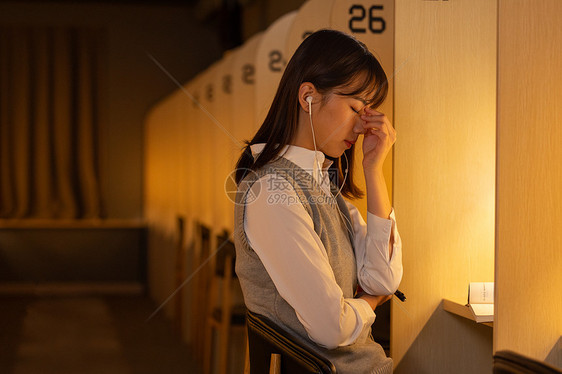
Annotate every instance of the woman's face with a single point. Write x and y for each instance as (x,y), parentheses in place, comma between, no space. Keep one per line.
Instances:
(337,123)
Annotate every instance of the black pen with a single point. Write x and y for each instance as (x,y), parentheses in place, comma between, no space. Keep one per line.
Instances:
(400,295)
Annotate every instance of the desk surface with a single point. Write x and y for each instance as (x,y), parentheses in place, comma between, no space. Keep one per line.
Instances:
(461,310)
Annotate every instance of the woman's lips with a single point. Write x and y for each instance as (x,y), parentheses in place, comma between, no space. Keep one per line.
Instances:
(349,143)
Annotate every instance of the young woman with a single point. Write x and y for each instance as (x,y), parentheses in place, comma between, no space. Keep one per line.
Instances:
(302,250)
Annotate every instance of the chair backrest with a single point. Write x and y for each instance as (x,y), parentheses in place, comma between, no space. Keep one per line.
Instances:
(200,285)
(180,270)
(205,240)
(266,338)
(509,362)
(226,253)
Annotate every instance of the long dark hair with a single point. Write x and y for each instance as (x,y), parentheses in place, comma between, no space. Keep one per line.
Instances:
(330,60)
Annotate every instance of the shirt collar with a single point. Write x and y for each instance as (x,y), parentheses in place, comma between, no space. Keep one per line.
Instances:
(302,157)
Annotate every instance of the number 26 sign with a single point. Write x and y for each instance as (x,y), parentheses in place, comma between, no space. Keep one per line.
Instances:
(372,22)
(362,20)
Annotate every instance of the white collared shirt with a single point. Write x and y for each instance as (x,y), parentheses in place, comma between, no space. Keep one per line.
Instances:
(282,235)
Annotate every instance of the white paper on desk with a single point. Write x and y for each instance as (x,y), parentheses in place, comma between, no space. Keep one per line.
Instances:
(481,301)
(483,309)
(481,293)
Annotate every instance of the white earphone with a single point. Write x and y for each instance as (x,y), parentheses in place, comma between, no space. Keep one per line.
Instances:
(316,169)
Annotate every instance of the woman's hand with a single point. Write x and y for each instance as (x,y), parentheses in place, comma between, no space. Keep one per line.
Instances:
(378,140)
(374,301)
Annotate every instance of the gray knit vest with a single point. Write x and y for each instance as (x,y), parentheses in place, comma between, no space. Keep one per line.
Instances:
(260,295)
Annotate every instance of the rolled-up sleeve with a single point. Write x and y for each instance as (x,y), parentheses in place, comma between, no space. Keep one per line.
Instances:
(282,234)
(378,273)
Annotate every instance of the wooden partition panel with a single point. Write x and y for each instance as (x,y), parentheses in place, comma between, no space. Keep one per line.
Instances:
(312,16)
(176,162)
(186,206)
(270,64)
(189,166)
(196,146)
(529,180)
(183,104)
(244,124)
(212,110)
(444,113)
(206,132)
(224,139)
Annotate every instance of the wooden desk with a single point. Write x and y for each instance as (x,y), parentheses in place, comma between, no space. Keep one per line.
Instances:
(461,310)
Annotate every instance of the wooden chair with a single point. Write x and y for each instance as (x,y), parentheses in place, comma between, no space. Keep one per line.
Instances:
(200,287)
(224,316)
(508,362)
(274,350)
(180,271)
(380,330)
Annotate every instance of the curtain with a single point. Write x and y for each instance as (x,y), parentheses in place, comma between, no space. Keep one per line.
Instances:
(49,117)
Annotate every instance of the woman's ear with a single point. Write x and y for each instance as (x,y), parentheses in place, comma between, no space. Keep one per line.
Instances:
(306,90)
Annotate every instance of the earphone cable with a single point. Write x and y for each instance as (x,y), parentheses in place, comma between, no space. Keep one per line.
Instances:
(316,169)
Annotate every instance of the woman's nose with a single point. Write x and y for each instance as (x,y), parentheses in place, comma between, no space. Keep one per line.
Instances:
(358,126)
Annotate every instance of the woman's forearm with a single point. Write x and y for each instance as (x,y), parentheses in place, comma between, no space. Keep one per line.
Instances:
(378,202)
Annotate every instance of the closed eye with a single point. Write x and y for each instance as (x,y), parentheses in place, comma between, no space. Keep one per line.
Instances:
(356,111)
